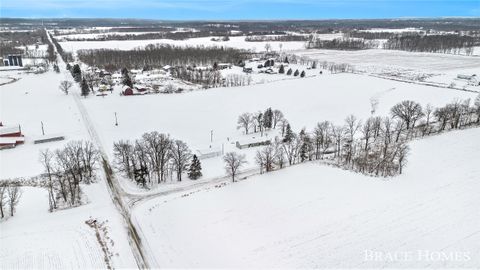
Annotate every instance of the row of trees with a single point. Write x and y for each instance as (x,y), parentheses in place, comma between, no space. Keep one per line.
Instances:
(67,168)
(261,121)
(10,194)
(154,158)
(277,38)
(449,43)
(66,56)
(377,146)
(341,44)
(156,56)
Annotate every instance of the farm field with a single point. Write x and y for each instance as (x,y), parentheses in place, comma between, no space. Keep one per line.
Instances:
(234,42)
(305,102)
(312,216)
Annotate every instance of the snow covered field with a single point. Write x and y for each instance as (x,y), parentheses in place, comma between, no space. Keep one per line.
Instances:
(433,62)
(303,101)
(234,42)
(311,216)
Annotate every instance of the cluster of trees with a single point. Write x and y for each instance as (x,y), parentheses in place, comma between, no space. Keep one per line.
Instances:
(261,121)
(232,80)
(10,194)
(303,60)
(208,78)
(85,80)
(277,38)
(449,43)
(289,72)
(341,44)
(154,158)
(67,168)
(156,56)
(377,146)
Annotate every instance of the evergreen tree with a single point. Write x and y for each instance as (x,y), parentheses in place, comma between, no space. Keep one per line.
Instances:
(296,73)
(288,134)
(126,80)
(314,65)
(302,74)
(85,89)
(268,118)
(195,170)
(289,72)
(68,67)
(77,73)
(281,70)
(286,60)
(215,66)
(305,148)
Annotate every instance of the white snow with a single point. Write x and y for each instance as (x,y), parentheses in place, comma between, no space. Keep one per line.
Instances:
(314,216)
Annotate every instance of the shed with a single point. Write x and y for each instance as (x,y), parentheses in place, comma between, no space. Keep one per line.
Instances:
(252,142)
(209,152)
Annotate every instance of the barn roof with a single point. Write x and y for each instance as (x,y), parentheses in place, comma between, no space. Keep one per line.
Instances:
(5,130)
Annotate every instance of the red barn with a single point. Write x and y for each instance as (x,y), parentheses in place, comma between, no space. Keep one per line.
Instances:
(10,136)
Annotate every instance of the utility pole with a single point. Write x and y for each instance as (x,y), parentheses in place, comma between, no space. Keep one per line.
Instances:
(211,136)
(43,131)
(116,119)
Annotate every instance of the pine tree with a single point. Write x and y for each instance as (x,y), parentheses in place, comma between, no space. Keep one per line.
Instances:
(314,65)
(286,60)
(268,118)
(85,89)
(68,67)
(289,72)
(195,170)
(77,73)
(305,148)
(126,80)
(288,134)
(302,74)
(296,73)
(281,70)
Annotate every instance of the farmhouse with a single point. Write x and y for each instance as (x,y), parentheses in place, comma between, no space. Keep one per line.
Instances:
(252,142)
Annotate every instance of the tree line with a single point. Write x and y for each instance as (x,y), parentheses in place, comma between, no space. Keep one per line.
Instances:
(377,146)
(341,44)
(65,169)
(156,56)
(277,38)
(154,158)
(448,43)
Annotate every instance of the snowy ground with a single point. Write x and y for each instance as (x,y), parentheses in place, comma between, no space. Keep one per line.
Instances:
(303,101)
(34,238)
(312,216)
(37,239)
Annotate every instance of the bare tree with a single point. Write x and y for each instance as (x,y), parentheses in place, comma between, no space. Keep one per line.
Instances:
(233,162)
(265,158)
(65,86)
(277,117)
(46,158)
(477,107)
(180,155)
(409,111)
(14,194)
(245,121)
(3,197)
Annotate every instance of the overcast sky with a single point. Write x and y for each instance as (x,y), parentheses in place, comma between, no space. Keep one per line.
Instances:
(239,9)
